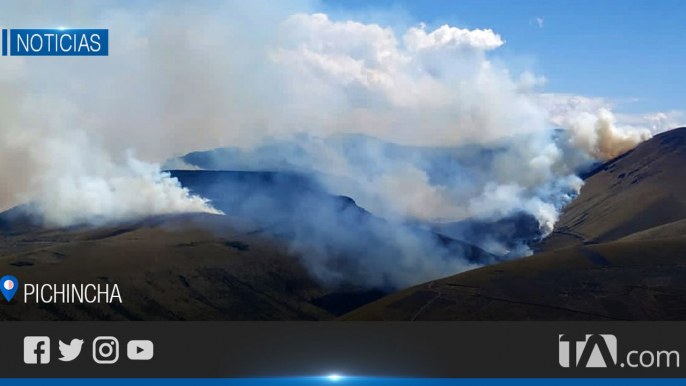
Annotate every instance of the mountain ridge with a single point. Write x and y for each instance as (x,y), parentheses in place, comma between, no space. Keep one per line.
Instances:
(199,266)
(617,253)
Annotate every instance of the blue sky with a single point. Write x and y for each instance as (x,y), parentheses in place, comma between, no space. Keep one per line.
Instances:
(630,51)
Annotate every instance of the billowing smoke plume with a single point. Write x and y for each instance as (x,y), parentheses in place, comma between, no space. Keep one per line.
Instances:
(416,125)
(48,158)
(100,191)
(599,136)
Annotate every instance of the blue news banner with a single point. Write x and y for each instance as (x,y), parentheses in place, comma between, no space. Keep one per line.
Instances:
(55,42)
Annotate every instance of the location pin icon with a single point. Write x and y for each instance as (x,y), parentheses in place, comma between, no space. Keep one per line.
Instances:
(8,286)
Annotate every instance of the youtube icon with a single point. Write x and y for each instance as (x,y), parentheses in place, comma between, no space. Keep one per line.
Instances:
(140,350)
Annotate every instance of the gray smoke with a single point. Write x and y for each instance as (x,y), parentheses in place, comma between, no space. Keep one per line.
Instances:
(83,137)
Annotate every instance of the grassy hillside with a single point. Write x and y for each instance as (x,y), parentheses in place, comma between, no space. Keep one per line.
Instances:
(632,280)
(168,268)
(639,190)
(617,253)
(247,265)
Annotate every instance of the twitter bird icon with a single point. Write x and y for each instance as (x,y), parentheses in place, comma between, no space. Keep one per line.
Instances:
(70,351)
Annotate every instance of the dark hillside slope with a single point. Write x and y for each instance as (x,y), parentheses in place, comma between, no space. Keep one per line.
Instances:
(618,253)
(245,265)
(642,189)
(632,280)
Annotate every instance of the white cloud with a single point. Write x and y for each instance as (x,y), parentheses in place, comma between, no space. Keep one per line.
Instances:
(438,87)
(563,107)
(447,37)
(657,122)
(528,81)
(539,21)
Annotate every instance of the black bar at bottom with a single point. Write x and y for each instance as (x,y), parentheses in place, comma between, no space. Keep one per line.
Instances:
(386,349)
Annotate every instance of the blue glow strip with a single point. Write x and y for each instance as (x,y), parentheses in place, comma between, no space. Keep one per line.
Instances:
(352,381)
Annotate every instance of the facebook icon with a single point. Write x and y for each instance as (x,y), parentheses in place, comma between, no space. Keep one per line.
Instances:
(36,350)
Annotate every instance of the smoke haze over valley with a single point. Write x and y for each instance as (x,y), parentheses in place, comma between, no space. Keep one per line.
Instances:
(400,153)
